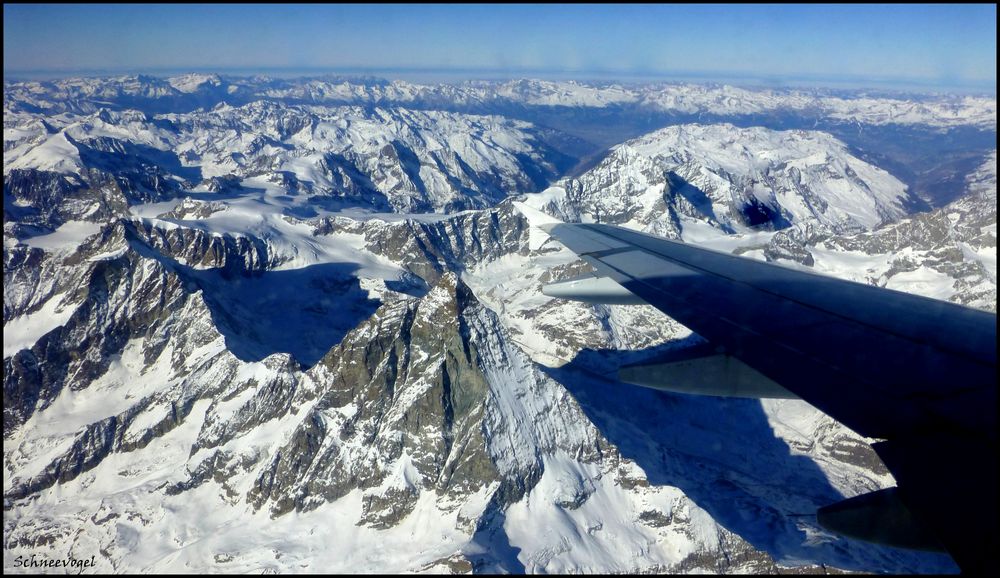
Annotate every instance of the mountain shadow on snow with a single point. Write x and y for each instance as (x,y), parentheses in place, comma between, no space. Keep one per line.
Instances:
(699,444)
(303,312)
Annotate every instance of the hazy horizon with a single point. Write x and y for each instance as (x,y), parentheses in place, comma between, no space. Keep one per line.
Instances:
(927,47)
(456,76)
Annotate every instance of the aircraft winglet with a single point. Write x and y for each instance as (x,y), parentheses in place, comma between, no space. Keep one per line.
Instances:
(535,217)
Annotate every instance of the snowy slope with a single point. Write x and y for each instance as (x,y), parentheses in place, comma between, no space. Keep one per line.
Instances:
(735,179)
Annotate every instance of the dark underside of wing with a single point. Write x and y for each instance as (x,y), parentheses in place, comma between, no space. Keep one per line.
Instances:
(916,372)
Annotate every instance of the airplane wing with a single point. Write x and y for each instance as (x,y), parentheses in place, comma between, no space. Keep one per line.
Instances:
(917,373)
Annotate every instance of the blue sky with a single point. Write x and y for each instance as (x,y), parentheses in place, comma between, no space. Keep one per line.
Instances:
(932,44)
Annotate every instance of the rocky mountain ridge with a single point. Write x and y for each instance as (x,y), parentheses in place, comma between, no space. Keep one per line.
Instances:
(314,158)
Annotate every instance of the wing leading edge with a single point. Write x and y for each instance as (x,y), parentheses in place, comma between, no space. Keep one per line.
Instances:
(918,373)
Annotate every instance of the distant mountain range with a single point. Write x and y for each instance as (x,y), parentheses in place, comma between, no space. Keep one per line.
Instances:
(188,92)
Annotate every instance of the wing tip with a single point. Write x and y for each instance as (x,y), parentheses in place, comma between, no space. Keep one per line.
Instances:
(537,218)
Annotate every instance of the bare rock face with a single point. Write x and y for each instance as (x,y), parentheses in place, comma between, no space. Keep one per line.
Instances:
(404,412)
(43,200)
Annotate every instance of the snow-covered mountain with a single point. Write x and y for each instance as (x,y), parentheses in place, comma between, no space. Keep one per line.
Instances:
(87,167)
(167,428)
(217,356)
(794,196)
(736,179)
(949,253)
